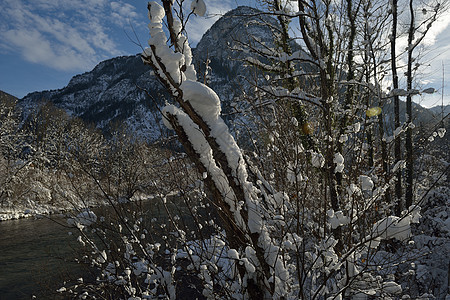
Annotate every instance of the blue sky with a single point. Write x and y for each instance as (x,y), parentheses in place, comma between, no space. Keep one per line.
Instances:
(43,43)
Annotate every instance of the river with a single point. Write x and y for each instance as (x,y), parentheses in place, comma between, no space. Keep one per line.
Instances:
(36,255)
(32,253)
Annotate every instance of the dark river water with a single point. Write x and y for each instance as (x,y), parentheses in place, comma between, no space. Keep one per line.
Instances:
(36,255)
(32,258)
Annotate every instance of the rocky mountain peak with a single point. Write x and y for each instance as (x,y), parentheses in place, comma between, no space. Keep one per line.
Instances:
(5,97)
(243,25)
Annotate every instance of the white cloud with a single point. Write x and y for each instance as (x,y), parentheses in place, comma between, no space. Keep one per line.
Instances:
(77,34)
(36,49)
(437,28)
(122,13)
(438,42)
(433,52)
(63,34)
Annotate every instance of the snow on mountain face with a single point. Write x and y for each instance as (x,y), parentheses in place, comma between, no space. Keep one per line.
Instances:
(224,45)
(110,94)
(107,95)
(243,25)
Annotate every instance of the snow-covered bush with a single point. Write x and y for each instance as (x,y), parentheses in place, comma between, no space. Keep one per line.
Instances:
(305,212)
(287,241)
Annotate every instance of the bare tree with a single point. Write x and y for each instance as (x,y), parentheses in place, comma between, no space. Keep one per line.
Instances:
(285,219)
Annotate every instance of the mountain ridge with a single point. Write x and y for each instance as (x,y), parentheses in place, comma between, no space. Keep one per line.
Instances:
(4,96)
(115,90)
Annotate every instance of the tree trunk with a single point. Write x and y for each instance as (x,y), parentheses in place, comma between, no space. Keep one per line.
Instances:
(397,146)
(409,144)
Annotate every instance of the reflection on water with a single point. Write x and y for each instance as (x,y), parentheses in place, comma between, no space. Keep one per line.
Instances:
(32,254)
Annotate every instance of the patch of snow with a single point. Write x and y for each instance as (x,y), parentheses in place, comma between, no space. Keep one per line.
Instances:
(391,287)
(366,183)
(202,98)
(317,160)
(85,218)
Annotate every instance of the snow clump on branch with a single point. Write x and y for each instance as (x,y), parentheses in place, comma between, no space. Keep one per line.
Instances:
(198,7)
(202,98)
(168,62)
(211,141)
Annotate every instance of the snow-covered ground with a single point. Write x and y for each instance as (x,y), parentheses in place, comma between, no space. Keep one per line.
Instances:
(432,245)
(32,208)
(28,209)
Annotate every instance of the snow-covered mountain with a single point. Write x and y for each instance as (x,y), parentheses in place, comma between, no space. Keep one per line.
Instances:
(113,92)
(108,94)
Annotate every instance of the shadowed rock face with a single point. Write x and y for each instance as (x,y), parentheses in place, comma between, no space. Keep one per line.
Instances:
(5,97)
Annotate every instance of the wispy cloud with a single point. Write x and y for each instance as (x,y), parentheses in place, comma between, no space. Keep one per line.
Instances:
(64,34)
(122,13)
(439,26)
(36,49)
(74,35)
(437,42)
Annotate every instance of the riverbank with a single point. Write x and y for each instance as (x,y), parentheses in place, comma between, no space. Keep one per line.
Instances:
(39,254)
(30,209)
